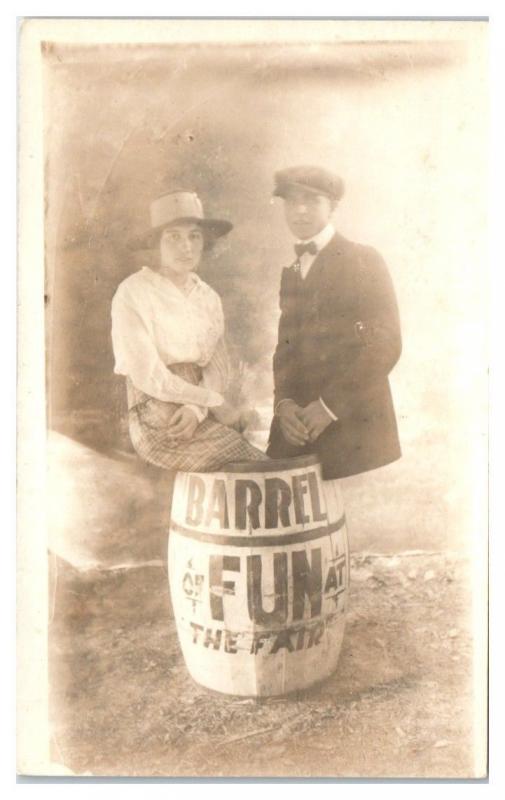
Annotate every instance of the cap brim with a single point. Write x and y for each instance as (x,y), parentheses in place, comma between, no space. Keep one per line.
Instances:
(147,240)
(282,188)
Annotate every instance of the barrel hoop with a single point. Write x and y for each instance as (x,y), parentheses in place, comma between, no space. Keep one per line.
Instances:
(271,464)
(259,541)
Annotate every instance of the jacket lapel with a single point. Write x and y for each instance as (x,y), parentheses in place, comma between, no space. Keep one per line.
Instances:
(328,262)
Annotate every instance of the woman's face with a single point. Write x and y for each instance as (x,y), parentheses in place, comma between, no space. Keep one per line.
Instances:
(181,248)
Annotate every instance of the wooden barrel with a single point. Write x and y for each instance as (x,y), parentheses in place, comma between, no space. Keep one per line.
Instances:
(259,575)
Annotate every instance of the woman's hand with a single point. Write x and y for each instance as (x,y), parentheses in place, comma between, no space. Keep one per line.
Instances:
(248,418)
(237,418)
(226,414)
(183,424)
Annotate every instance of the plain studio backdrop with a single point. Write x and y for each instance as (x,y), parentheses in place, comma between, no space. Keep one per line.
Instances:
(402,123)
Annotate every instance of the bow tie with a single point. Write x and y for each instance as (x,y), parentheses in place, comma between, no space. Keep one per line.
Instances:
(305,247)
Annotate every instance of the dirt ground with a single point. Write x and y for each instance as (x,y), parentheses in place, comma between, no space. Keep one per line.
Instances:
(399,704)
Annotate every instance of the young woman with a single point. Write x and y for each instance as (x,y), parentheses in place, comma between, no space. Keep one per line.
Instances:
(168,340)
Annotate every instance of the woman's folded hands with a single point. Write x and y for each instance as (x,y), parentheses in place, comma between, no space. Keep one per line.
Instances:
(183,424)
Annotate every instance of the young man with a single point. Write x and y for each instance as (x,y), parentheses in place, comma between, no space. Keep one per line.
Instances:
(339,337)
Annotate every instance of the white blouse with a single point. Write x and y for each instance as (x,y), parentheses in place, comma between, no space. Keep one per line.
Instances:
(155,324)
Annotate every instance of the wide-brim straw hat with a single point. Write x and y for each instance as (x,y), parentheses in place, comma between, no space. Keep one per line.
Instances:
(176,207)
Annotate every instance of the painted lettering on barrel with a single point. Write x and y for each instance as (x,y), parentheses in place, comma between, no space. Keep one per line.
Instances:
(217,586)
(270,642)
(247,502)
(277,502)
(196,494)
(272,503)
(218,505)
(334,583)
(308,586)
(257,613)
(283,639)
(192,586)
(299,489)
(196,630)
(230,642)
(214,638)
(291,639)
(307,581)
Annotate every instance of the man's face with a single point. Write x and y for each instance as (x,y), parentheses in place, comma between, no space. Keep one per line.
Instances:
(306,212)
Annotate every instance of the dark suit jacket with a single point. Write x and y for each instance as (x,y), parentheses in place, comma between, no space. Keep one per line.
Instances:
(339,337)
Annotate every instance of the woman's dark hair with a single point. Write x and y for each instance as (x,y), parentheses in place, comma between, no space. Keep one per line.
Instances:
(209,238)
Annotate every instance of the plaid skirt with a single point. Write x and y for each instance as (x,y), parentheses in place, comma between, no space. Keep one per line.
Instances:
(212,446)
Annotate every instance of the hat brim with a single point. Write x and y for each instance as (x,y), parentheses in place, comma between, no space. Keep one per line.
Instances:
(280,191)
(214,227)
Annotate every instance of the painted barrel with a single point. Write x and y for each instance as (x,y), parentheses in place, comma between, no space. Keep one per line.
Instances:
(259,575)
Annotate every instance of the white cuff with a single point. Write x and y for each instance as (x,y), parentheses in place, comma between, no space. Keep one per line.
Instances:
(214,399)
(330,413)
(199,411)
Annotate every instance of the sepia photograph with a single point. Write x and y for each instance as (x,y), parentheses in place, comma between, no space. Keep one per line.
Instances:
(252,448)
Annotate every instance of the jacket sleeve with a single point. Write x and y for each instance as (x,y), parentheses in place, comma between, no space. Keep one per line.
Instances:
(136,356)
(283,360)
(374,338)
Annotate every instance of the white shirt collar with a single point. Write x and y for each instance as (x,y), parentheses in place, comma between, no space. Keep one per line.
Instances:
(322,238)
(193,281)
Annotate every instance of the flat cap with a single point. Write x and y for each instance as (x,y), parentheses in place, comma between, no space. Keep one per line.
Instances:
(314,179)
